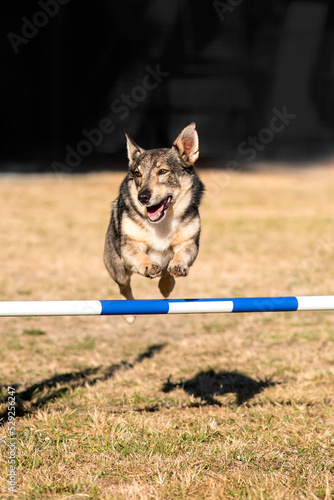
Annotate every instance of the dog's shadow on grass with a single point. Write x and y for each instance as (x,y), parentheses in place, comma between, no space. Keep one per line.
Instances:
(207,385)
(39,394)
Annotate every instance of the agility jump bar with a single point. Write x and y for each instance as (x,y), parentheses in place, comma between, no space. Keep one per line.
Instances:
(165,306)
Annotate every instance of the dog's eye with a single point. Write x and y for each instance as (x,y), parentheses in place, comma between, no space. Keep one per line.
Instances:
(163,171)
(137,173)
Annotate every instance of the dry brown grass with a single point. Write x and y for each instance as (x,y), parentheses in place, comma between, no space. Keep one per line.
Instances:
(200,406)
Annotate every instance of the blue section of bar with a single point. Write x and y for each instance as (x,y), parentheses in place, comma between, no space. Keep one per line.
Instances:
(160,306)
(133,307)
(265,304)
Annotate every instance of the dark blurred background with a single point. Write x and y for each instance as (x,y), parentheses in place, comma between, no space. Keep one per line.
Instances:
(256,76)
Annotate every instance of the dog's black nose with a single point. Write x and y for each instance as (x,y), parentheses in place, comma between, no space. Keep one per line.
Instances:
(144,196)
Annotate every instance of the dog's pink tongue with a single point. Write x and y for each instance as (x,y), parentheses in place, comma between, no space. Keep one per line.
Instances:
(155,211)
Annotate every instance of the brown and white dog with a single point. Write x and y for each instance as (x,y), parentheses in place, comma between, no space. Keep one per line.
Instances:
(155,225)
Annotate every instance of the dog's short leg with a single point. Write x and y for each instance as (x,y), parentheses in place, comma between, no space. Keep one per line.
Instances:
(139,262)
(166,284)
(126,291)
(183,259)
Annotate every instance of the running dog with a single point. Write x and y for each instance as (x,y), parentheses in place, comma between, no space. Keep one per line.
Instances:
(155,224)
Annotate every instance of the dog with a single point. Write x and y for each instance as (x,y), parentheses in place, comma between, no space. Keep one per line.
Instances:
(155,225)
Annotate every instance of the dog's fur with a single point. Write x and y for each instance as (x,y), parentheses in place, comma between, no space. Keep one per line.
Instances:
(155,225)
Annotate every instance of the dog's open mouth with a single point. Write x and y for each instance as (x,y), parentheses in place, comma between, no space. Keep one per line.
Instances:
(157,212)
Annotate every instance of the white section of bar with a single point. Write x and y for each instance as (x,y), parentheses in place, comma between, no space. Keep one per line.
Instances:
(198,306)
(315,303)
(51,308)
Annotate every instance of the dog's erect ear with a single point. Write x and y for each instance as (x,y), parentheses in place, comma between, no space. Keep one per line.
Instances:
(133,149)
(187,144)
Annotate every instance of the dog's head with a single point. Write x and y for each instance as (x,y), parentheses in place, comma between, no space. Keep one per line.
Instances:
(161,177)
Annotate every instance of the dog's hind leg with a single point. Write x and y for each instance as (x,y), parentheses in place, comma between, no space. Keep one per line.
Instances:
(118,273)
(126,291)
(166,284)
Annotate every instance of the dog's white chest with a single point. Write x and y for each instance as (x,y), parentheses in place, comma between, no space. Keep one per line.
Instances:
(161,236)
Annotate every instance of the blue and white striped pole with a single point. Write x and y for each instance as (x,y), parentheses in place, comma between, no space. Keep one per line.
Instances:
(164,306)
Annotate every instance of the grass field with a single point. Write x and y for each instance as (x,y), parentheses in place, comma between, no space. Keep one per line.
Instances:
(178,407)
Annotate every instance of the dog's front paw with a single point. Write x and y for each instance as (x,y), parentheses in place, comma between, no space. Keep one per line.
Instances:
(153,271)
(178,269)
